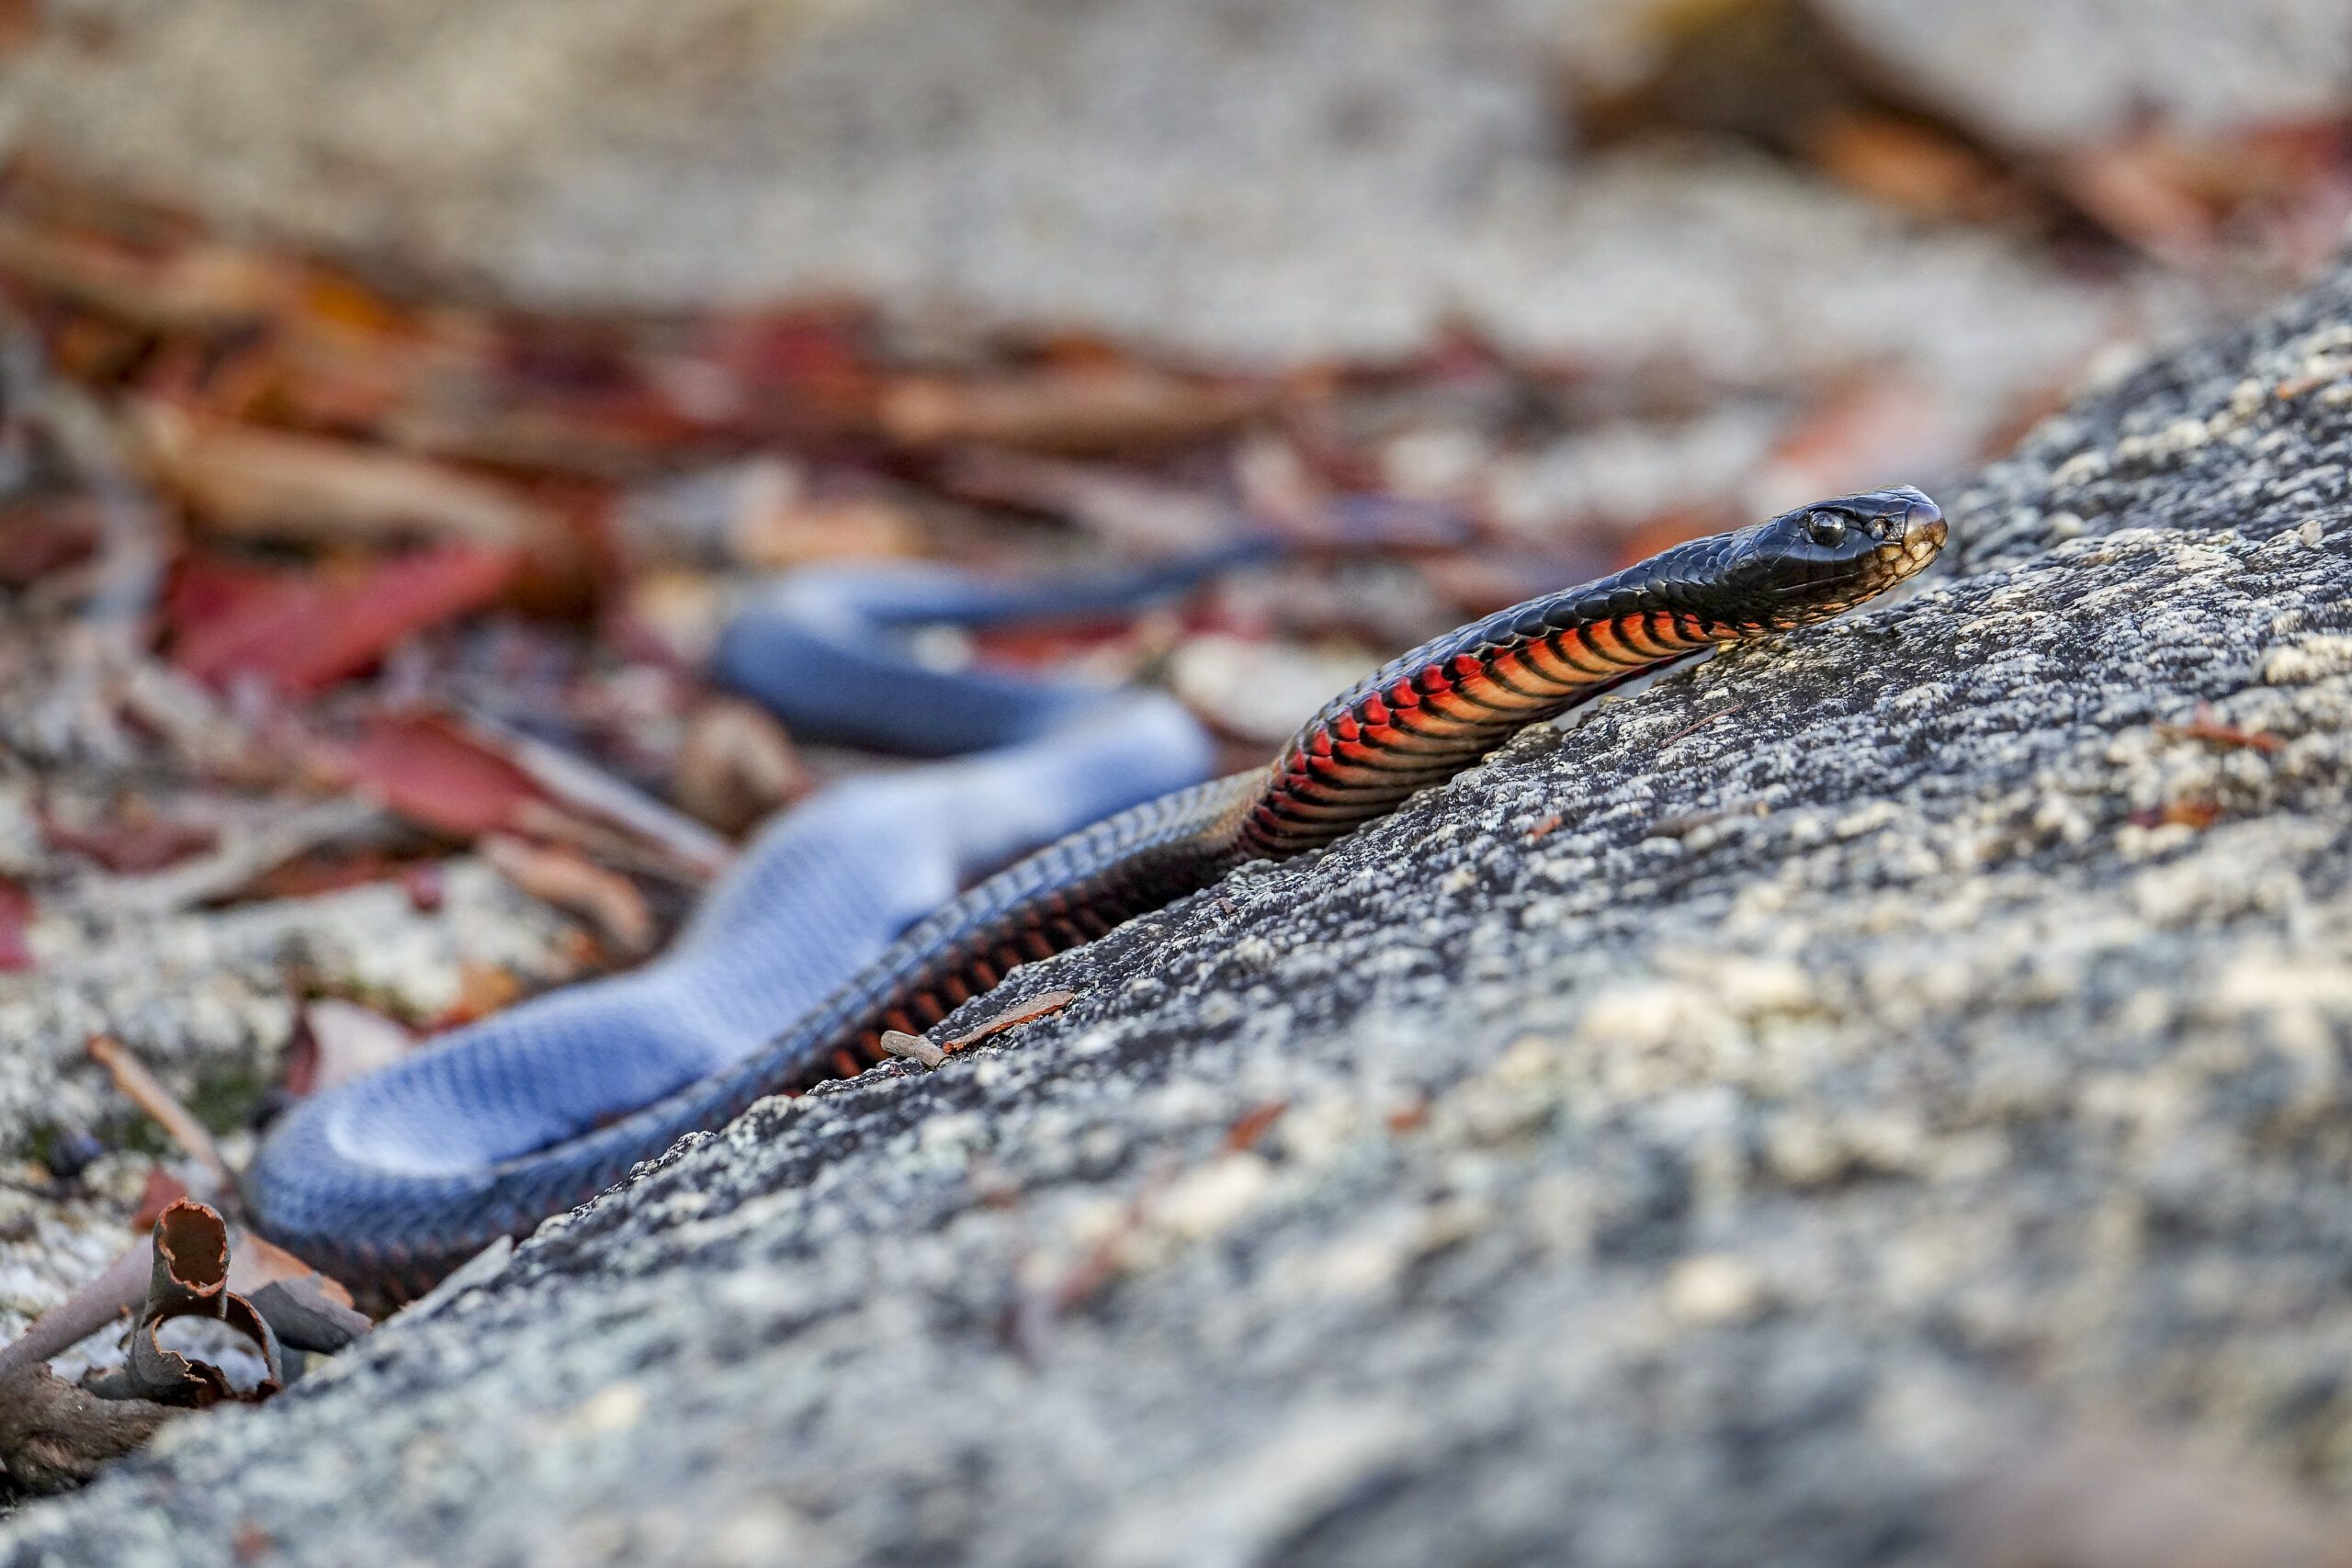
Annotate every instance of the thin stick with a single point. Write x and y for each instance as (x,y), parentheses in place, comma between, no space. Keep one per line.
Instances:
(143,1090)
(116,1291)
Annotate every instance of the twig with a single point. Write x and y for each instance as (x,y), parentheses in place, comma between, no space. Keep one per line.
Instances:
(117,1289)
(910,1047)
(54,1436)
(1698,724)
(1039,1006)
(588,788)
(143,1090)
(915,1048)
(236,863)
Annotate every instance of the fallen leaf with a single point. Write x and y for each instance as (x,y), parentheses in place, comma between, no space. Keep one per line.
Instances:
(269,484)
(1091,409)
(190,1280)
(2198,814)
(1253,1125)
(585,791)
(302,631)
(568,880)
(305,1308)
(134,842)
(158,1192)
(16,922)
(191,288)
(40,537)
(2206,726)
(483,990)
(422,765)
(1910,165)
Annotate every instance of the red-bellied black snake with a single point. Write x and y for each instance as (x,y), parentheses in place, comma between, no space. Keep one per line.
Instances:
(393,1181)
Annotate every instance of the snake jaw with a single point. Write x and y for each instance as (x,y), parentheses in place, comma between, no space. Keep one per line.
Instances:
(1819,561)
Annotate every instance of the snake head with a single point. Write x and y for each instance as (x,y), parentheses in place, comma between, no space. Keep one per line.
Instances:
(1809,564)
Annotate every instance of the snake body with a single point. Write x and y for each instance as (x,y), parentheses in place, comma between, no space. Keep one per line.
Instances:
(844,921)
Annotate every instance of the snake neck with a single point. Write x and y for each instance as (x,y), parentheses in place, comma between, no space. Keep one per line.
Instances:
(1425,716)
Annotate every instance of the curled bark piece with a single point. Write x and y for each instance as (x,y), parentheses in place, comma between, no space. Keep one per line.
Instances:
(54,1436)
(190,1279)
(305,1314)
(306,1309)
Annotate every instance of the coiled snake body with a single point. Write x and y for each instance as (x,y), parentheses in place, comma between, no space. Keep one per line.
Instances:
(844,920)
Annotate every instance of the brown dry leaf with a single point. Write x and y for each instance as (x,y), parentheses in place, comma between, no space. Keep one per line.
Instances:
(15,928)
(194,288)
(135,839)
(2206,726)
(1094,408)
(571,881)
(483,990)
(1253,1125)
(308,1310)
(157,1192)
(685,846)
(1909,165)
(2146,192)
(256,483)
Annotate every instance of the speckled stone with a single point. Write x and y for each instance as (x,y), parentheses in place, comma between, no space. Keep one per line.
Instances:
(1711,1135)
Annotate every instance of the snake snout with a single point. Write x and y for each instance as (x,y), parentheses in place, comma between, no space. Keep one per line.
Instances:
(1919,532)
(1918,522)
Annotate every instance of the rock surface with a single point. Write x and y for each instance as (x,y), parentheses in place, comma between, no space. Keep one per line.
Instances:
(1716,1133)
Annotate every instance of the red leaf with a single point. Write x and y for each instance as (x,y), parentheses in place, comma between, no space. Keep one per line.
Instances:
(42,536)
(303,631)
(16,914)
(129,846)
(427,769)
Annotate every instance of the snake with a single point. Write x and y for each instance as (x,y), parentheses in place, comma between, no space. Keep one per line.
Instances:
(887,901)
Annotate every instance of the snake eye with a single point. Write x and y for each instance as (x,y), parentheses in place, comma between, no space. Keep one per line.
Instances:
(1828,529)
